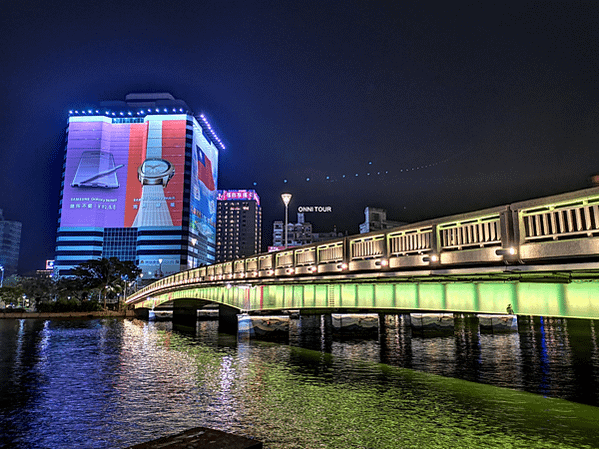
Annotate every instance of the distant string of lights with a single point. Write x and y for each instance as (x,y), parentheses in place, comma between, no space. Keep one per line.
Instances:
(371,172)
(146,111)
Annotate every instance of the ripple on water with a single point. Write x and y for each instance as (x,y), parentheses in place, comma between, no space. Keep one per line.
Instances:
(113,383)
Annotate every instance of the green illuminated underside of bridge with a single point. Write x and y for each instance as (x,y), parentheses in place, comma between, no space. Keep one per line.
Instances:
(577,299)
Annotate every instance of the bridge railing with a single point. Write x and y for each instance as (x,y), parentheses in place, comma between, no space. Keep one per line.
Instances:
(477,232)
(367,247)
(305,256)
(330,253)
(561,221)
(410,241)
(560,226)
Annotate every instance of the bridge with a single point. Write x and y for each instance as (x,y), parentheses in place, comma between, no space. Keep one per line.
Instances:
(538,257)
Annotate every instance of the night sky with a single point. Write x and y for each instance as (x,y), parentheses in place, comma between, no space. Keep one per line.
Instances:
(428,109)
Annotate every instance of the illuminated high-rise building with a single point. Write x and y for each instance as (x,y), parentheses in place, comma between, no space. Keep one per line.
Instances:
(139,183)
(238,224)
(10,244)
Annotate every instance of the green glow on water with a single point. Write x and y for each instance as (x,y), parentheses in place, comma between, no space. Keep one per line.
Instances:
(290,397)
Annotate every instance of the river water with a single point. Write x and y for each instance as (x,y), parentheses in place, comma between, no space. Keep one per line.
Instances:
(112,383)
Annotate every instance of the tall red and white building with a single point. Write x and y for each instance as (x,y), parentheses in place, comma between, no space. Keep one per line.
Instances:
(139,183)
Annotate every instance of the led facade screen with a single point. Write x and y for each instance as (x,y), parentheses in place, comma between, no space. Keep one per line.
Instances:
(124,172)
(204,182)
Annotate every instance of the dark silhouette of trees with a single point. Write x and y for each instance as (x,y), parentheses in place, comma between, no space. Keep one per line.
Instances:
(109,276)
(86,289)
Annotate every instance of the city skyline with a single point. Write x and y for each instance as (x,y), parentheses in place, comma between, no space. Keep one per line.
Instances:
(421,109)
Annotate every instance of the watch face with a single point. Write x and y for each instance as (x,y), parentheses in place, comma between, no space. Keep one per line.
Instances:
(155,171)
(155,168)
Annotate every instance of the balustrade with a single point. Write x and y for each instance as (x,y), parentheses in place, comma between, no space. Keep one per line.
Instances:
(410,242)
(564,221)
(330,253)
(472,233)
(367,248)
(305,256)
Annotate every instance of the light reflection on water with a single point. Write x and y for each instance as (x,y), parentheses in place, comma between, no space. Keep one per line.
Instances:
(114,383)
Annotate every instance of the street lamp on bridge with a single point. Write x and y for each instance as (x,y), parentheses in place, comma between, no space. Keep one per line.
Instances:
(286,197)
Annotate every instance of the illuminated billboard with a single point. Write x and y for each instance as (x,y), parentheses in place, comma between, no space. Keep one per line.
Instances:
(144,173)
(124,172)
(236,195)
(204,180)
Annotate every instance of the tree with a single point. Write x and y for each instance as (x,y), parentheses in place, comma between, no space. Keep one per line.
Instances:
(107,275)
(38,289)
(35,290)
(10,294)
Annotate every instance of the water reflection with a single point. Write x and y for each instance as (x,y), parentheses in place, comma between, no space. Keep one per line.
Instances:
(560,356)
(114,383)
(548,356)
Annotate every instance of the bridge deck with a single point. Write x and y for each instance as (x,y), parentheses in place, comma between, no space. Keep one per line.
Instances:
(541,256)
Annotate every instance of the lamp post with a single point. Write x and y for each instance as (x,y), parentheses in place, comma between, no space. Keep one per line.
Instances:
(127,284)
(286,197)
(159,273)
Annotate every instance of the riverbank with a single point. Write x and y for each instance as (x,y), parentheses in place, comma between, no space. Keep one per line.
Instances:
(58,315)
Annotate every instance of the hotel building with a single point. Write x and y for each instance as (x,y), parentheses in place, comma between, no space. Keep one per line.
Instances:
(238,224)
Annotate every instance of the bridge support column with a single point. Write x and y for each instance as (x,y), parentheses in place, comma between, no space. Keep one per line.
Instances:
(395,338)
(185,312)
(383,323)
(263,327)
(142,313)
(355,324)
(466,322)
(227,319)
(494,324)
(432,324)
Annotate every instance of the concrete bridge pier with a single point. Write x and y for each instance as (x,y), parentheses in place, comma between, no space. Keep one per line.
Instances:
(432,324)
(497,324)
(185,312)
(349,325)
(393,323)
(313,331)
(268,327)
(383,322)
(227,319)
(142,313)
(466,323)
(395,338)
(265,327)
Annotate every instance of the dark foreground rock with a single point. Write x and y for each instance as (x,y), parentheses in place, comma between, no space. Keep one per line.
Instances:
(199,438)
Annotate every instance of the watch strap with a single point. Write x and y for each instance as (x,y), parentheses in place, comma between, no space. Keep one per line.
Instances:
(154,146)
